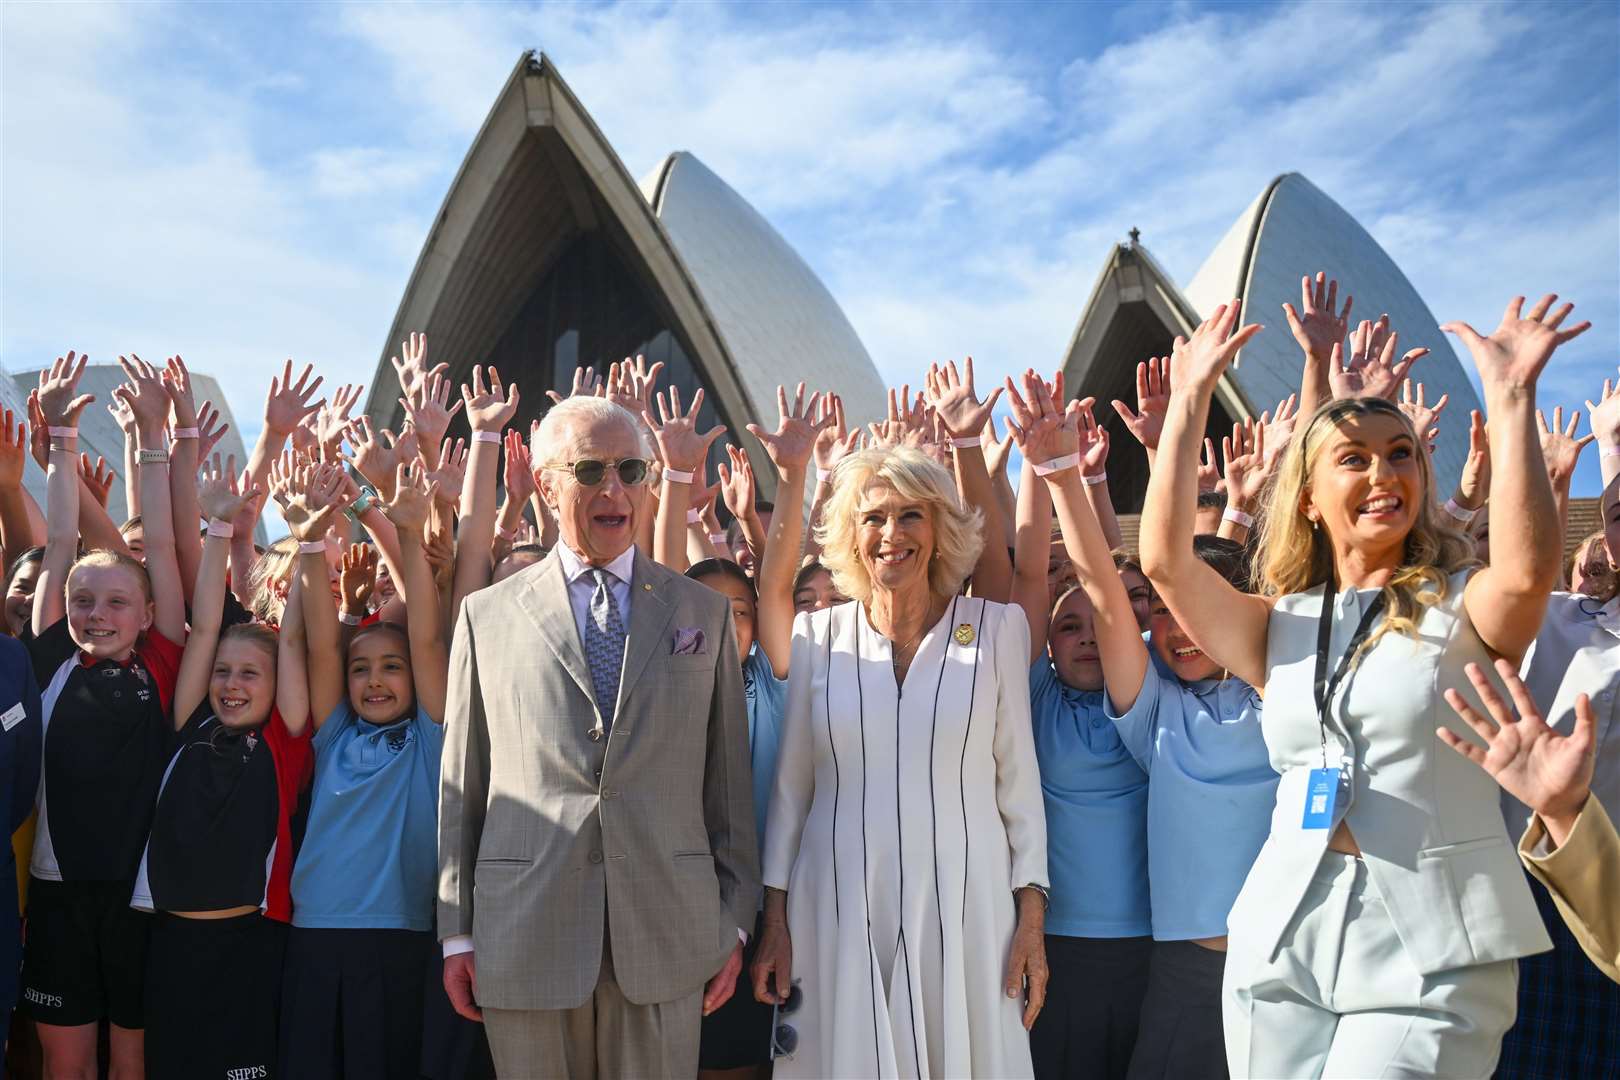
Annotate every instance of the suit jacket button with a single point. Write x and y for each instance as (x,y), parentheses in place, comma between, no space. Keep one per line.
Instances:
(596,856)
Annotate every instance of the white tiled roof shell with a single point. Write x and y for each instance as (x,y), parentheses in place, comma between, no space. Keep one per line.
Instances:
(1302,231)
(778,320)
(99,433)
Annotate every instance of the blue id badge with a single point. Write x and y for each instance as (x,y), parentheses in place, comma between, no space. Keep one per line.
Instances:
(1321,792)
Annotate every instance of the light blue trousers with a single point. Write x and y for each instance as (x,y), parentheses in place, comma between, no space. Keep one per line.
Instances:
(1342,999)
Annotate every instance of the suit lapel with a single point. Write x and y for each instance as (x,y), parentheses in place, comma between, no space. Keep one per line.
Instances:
(545,598)
(650,615)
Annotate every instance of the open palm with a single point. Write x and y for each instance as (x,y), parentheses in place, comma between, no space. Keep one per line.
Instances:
(1519,348)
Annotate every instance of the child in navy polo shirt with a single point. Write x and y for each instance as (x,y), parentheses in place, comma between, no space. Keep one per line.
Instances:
(219,859)
(105,651)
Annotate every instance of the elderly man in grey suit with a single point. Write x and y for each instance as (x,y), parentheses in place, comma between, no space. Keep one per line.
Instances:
(597,856)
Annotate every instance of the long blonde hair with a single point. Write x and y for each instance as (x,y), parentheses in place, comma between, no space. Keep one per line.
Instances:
(1294,555)
(958,533)
(273,568)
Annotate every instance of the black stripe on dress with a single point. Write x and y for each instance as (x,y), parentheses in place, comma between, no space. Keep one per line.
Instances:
(833,746)
(961,768)
(933,803)
(866,893)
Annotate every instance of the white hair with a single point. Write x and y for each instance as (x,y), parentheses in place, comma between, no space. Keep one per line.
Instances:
(585,412)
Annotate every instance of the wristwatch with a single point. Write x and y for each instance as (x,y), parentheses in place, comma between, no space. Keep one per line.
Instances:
(368,495)
(1046,897)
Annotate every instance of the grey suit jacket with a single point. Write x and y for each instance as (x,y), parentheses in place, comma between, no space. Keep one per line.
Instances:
(546,836)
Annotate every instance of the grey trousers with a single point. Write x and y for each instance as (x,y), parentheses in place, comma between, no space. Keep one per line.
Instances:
(606,1037)
(1341,998)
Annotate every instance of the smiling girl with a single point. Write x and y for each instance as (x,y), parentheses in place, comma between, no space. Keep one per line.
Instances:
(363,886)
(105,651)
(220,852)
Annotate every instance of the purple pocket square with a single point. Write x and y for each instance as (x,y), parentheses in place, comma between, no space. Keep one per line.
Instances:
(689,641)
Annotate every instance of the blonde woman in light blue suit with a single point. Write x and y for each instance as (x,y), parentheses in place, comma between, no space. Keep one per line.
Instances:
(1377,933)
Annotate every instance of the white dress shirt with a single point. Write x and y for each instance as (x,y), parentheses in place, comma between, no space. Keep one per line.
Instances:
(581,587)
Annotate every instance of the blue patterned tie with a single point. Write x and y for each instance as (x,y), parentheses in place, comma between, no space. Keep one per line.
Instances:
(604,647)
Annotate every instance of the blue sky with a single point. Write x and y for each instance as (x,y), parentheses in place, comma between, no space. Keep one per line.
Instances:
(240,183)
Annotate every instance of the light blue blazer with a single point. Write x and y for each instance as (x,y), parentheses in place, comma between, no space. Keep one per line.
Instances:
(1428,821)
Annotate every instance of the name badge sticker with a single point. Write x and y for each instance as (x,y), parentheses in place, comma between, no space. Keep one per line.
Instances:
(12,716)
(1321,792)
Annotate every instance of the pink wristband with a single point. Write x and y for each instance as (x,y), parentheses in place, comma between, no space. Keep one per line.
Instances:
(1609,451)
(694,517)
(1237,517)
(487,436)
(62,432)
(312,547)
(676,476)
(823,475)
(221,528)
(184,433)
(1047,468)
(968,443)
(1092,481)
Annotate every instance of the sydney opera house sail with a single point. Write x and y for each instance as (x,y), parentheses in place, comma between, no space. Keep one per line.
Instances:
(546,256)
(1290,230)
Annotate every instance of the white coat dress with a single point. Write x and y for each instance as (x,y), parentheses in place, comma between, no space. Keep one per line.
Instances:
(901,821)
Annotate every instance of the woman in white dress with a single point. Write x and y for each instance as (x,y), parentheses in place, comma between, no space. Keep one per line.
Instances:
(905,848)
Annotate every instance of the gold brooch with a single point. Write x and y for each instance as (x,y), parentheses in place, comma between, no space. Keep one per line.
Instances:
(964,634)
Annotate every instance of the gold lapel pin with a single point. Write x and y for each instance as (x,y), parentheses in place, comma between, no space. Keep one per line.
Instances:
(646,588)
(964,634)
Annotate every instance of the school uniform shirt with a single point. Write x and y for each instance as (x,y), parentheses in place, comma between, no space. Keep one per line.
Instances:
(1577,651)
(19,780)
(221,835)
(1211,788)
(1096,799)
(107,737)
(767,699)
(370,852)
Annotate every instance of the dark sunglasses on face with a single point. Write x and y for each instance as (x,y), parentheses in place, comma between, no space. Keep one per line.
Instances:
(588,472)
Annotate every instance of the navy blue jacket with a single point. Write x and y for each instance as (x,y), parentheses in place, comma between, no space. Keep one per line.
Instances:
(20,760)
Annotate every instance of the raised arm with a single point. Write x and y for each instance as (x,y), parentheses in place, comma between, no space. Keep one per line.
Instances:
(292,662)
(684,450)
(1561,452)
(285,407)
(1146,424)
(17,527)
(1507,599)
(1605,413)
(184,448)
(1228,624)
(312,499)
(789,448)
(147,398)
(1049,435)
(1248,475)
(959,409)
(835,443)
(1093,450)
(218,496)
(60,405)
(1032,553)
(132,475)
(95,528)
(430,657)
(489,409)
(1317,328)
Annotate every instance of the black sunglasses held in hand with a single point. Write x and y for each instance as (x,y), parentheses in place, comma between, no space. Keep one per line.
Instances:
(588,472)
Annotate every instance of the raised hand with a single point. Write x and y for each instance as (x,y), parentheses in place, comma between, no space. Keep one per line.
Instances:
(1475,483)
(1248,466)
(955,401)
(413,497)
(13,451)
(1517,351)
(518,478)
(332,418)
(288,402)
(1560,449)
(1209,473)
(60,403)
(1423,415)
(997,449)
(210,430)
(630,385)
(680,445)
(1605,412)
(98,478)
(451,469)
(835,442)
(146,396)
(413,371)
(737,483)
(1315,326)
(177,381)
(357,578)
(373,458)
(1093,444)
(122,417)
(1549,772)
(587,383)
(1203,358)
(1042,428)
(308,493)
(905,424)
(430,411)
(489,408)
(1373,369)
(1279,428)
(1152,401)
(219,496)
(797,436)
